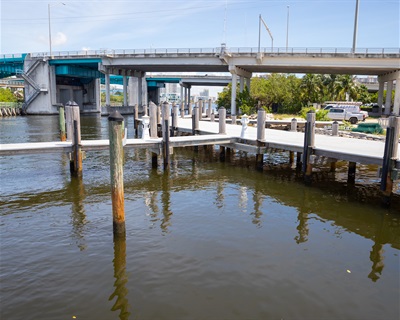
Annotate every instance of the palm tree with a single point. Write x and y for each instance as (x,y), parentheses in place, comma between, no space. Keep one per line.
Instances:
(345,86)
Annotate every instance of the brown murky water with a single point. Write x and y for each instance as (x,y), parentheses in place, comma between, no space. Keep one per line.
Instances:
(207,240)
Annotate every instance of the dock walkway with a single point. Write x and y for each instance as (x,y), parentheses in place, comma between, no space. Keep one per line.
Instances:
(341,148)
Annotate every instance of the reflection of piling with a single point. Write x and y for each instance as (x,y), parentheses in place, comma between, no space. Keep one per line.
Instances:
(116,171)
(121,278)
(351,173)
(62,123)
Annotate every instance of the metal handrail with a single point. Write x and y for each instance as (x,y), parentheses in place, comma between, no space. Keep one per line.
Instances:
(213,51)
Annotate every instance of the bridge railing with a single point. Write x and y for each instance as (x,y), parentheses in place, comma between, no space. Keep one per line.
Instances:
(233,50)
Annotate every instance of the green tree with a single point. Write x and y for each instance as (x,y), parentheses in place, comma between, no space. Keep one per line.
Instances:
(6,95)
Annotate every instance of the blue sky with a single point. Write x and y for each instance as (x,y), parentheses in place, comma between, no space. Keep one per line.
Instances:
(86,24)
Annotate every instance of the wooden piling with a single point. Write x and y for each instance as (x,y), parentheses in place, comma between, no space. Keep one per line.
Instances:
(74,135)
(351,173)
(116,171)
(175,113)
(61,113)
(261,115)
(293,125)
(309,144)
(195,120)
(389,172)
(165,132)
(335,128)
(136,121)
(209,108)
(153,119)
(222,120)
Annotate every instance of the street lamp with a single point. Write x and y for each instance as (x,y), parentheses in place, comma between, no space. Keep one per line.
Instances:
(49,6)
(259,34)
(353,50)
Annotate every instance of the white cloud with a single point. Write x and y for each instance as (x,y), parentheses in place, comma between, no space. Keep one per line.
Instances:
(59,39)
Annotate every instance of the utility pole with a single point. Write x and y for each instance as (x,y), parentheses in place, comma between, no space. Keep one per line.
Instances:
(353,50)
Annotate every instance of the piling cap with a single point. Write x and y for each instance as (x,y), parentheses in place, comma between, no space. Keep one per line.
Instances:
(115,116)
(71,104)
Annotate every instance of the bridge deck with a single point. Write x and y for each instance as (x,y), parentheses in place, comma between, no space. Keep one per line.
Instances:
(348,149)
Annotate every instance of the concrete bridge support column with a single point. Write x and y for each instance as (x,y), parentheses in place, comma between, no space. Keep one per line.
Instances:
(233,98)
(107,83)
(140,92)
(248,83)
(182,103)
(396,105)
(388,101)
(241,79)
(125,90)
(380,94)
(189,103)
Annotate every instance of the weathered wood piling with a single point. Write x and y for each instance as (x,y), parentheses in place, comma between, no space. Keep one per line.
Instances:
(73,124)
(116,171)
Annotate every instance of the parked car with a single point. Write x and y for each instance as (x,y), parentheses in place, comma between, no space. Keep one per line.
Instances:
(343,114)
(351,108)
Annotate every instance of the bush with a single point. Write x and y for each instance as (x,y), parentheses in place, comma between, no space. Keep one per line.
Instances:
(320,115)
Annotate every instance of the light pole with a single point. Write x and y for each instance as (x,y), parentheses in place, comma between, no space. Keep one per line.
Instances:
(259,34)
(287,29)
(48,7)
(353,50)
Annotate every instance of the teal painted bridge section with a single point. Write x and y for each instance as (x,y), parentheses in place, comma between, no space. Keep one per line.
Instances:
(85,69)
(9,64)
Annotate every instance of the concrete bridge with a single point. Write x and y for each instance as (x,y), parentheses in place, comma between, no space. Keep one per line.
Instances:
(53,80)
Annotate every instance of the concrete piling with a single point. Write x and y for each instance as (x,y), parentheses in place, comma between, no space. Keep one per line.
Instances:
(116,172)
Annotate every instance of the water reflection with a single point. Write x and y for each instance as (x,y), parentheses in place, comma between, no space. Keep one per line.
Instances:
(121,279)
(78,217)
(166,201)
(258,201)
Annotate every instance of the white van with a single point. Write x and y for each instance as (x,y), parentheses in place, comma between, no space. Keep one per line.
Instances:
(348,107)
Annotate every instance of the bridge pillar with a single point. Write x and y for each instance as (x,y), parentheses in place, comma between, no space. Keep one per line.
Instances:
(388,102)
(380,94)
(248,83)
(396,105)
(107,84)
(125,90)
(233,95)
(241,79)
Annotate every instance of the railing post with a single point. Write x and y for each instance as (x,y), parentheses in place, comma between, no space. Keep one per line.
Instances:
(116,172)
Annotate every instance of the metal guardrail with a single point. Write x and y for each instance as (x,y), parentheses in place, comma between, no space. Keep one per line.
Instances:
(241,50)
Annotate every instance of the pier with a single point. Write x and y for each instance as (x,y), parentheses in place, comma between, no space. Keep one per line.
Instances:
(189,132)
